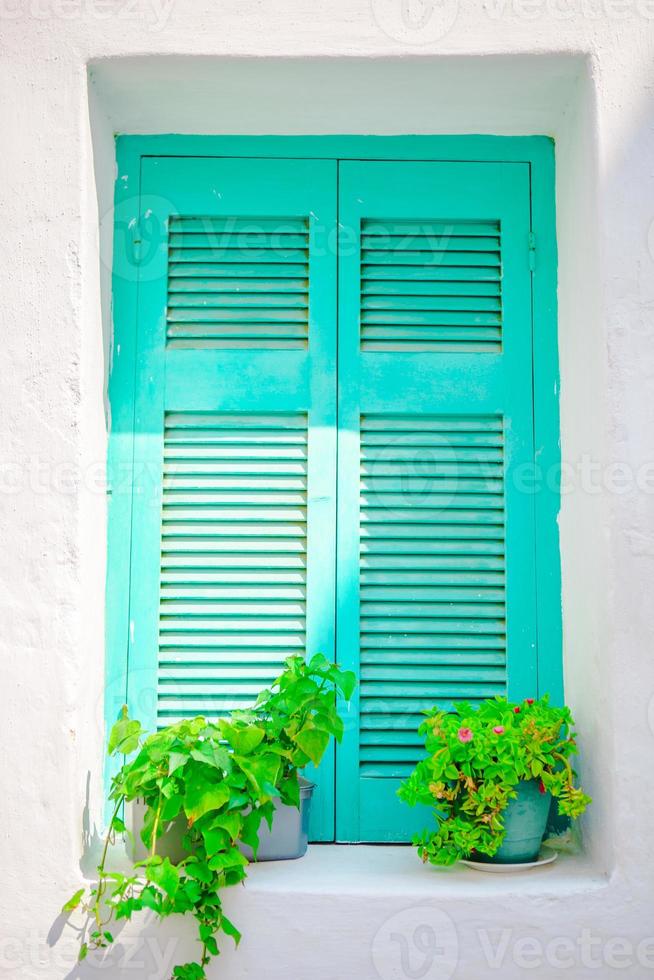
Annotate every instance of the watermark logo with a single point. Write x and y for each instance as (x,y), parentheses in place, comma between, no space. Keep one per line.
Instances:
(419,943)
(139,228)
(415,22)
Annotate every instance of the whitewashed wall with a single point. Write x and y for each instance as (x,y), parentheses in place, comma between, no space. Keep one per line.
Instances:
(580,70)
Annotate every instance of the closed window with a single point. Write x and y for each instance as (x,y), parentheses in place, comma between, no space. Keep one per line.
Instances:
(333,419)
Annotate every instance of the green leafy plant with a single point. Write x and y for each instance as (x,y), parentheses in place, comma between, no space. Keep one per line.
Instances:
(221,778)
(475,759)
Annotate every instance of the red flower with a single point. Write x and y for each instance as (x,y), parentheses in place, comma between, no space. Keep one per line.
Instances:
(541,787)
(530,700)
(464,735)
(517,710)
(499,729)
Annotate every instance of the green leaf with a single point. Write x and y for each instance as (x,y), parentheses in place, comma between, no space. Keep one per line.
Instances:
(231,822)
(262,772)
(290,790)
(216,756)
(203,795)
(165,875)
(329,721)
(192,890)
(228,859)
(318,662)
(171,808)
(189,971)
(250,831)
(246,740)
(84,948)
(124,736)
(176,760)
(108,937)
(347,682)
(199,870)
(73,902)
(230,929)
(215,839)
(313,742)
(118,826)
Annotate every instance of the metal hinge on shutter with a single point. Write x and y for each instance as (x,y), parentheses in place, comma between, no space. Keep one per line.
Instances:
(135,229)
(532,251)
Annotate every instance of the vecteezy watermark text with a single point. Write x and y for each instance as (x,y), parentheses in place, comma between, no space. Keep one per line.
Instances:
(421,22)
(154,14)
(586,949)
(146,957)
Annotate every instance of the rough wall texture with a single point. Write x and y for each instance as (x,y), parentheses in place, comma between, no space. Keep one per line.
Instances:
(590,87)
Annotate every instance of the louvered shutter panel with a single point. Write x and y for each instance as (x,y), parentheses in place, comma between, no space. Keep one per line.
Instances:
(435,584)
(431,286)
(234,500)
(233,590)
(235,282)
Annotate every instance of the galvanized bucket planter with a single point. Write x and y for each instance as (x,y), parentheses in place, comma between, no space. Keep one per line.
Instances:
(287,840)
(289,836)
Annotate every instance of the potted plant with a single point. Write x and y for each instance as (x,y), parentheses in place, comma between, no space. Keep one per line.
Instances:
(490,774)
(219,780)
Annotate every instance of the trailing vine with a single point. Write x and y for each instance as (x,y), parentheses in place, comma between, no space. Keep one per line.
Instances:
(221,779)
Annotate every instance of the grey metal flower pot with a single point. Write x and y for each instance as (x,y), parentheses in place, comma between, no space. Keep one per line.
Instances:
(289,836)
(287,840)
(169,844)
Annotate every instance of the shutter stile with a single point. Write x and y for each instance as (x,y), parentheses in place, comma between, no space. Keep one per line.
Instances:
(435,421)
(234,555)
(233,508)
(432,576)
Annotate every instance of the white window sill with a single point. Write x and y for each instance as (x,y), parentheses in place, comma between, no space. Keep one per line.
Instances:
(386,870)
(342,869)
(347,912)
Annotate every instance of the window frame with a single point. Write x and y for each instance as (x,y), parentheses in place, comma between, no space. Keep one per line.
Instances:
(538,152)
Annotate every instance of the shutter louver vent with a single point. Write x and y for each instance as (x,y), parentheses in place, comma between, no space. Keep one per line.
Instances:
(238,282)
(233,563)
(431,286)
(432,576)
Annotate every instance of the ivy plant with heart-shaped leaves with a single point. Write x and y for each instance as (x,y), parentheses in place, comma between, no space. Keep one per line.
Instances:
(221,778)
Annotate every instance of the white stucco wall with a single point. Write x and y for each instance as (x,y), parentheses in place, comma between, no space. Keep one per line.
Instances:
(580,70)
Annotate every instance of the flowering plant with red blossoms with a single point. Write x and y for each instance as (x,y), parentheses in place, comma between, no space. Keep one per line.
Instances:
(476,756)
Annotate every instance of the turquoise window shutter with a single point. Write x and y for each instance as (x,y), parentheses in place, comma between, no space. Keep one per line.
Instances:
(333,441)
(436,572)
(233,544)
